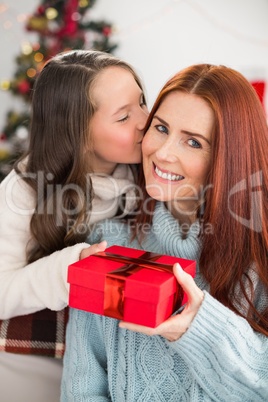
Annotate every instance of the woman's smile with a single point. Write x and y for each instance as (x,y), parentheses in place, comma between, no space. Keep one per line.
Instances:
(165,175)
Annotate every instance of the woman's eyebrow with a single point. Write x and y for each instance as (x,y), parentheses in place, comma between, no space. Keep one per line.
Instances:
(161,120)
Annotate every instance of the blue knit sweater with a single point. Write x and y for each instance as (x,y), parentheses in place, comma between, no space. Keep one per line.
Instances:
(219,358)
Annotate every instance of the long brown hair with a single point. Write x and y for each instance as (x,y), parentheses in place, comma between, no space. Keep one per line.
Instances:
(236,199)
(57,164)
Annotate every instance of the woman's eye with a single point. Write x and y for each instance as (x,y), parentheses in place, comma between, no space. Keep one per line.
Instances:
(193,143)
(161,129)
(123,119)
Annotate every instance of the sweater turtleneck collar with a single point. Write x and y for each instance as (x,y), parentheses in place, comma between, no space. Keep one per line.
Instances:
(168,233)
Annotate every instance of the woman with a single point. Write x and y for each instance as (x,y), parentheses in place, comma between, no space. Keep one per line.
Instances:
(88,115)
(205,164)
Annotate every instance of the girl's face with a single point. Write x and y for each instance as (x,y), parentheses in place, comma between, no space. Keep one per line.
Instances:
(176,151)
(117,125)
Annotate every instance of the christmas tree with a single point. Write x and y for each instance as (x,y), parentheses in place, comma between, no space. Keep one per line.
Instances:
(61,25)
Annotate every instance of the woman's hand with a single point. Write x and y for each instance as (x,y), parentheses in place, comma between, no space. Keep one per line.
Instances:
(174,327)
(86,252)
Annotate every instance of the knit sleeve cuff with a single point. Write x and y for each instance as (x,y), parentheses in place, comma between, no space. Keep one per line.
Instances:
(224,352)
(213,323)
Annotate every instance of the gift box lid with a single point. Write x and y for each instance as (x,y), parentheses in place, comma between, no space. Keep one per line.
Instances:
(142,285)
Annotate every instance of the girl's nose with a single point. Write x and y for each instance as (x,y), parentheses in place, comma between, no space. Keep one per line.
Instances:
(143,115)
(167,152)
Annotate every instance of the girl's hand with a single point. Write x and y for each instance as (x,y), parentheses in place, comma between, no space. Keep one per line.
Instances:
(174,327)
(93,249)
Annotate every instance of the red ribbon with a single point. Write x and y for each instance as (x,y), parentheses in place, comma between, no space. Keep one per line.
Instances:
(114,298)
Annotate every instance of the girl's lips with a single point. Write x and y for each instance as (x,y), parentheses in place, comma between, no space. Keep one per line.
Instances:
(171,177)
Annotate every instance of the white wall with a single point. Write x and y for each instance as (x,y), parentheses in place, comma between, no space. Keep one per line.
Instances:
(159,37)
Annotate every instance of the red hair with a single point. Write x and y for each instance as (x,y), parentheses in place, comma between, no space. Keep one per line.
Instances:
(236,203)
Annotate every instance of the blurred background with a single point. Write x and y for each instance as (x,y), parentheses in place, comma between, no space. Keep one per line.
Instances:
(158,37)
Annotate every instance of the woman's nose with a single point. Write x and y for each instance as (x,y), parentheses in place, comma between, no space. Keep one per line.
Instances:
(167,152)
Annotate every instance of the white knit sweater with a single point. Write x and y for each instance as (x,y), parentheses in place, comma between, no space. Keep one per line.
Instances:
(25,289)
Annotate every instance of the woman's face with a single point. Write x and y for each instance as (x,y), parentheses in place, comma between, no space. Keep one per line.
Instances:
(177,151)
(117,125)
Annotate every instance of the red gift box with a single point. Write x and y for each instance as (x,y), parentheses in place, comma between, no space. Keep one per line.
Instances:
(128,284)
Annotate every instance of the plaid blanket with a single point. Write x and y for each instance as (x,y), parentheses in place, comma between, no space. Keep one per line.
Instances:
(41,333)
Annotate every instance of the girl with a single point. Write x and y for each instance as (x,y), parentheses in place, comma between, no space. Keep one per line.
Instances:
(205,163)
(88,115)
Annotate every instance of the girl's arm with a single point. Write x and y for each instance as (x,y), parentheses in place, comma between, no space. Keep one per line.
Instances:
(25,289)
(85,365)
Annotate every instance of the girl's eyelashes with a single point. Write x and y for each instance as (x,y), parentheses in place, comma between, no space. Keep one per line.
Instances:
(123,119)
(142,104)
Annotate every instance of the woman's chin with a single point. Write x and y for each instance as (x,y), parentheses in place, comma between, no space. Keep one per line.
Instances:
(157,194)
